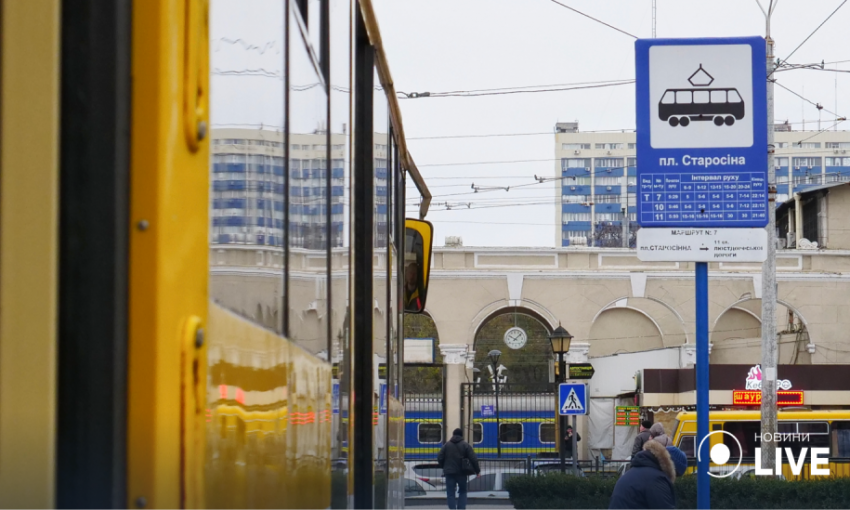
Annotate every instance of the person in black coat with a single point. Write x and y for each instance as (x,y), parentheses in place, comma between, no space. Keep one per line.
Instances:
(642,437)
(450,459)
(568,442)
(649,481)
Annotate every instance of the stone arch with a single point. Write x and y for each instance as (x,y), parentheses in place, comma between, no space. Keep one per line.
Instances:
(528,367)
(736,334)
(634,302)
(497,308)
(608,335)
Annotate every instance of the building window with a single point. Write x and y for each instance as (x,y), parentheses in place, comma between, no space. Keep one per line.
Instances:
(780,161)
(610,146)
(806,162)
(781,145)
(430,433)
(547,432)
(631,162)
(809,145)
(575,181)
(571,234)
(607,199)
(838,145)
(573,199)
(574,146)
(837,161)
(609,162)
(567,163)
(632,146)
(510,432)
(568,217)
(607,216)
(608,181)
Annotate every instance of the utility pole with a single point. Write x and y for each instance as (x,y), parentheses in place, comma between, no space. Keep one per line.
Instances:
(769,348)
(653,21)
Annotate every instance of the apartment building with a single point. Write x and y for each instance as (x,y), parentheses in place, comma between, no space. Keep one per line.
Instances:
(249,185)
(598,172)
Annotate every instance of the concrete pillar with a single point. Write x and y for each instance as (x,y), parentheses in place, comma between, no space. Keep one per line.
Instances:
(798,220)
(455,359)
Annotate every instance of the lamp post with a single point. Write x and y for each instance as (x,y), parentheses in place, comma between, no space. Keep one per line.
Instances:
(560,340)
(626,231)
(494,356)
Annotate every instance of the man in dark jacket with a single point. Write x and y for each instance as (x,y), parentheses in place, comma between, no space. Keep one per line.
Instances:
(649,482)
(451,460)
(642,437)
(568,442)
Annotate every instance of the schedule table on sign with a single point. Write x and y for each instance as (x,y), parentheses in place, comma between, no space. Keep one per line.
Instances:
(708,199)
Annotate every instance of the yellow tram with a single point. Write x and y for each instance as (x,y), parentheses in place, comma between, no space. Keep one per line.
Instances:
(204,255)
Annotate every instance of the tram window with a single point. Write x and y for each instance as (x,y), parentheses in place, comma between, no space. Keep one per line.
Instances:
(686,444)
(669,97)
(547,432)
(787,428)
(718,96)
(510,432)
(813,428)
(701,96)
(477,433)
(745,432)
(734,97)
(684,97)
(430,433)
(841,438)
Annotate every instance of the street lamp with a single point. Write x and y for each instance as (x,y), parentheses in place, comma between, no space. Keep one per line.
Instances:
(494,356)
(560,340)
(626,231)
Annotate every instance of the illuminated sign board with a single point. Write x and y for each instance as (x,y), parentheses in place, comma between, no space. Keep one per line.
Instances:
(627,416)
(753,398)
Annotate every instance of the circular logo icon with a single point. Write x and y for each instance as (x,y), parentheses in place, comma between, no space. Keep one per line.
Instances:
(720,453)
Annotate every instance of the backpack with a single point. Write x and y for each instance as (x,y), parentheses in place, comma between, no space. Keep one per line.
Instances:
(465,464)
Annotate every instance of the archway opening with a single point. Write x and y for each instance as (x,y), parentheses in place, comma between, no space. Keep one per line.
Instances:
(527,355)
(736,335)
(623,329)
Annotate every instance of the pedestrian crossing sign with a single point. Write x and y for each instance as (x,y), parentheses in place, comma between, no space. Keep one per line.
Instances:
(572,399)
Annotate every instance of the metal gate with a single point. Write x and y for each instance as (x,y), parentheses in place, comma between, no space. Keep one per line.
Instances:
(510,422)
(424,417)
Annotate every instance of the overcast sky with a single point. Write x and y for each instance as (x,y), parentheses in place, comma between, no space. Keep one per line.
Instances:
(447,45)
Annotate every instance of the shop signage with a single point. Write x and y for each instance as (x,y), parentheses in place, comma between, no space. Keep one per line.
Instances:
(627,416)
(581,371)
(753,381)
(753,398)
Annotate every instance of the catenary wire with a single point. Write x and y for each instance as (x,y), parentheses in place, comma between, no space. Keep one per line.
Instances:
(594,19)
(814,31)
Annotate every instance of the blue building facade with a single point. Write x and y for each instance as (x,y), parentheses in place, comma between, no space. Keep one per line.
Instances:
(250,181)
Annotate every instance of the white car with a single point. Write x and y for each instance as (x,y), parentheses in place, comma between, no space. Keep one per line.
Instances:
(491,484)
(428,472)
(414,488)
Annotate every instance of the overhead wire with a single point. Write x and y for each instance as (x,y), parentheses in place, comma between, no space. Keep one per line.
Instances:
(419,95)
(594,19)
(814,31)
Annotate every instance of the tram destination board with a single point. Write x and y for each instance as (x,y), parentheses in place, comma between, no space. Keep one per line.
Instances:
(702,133)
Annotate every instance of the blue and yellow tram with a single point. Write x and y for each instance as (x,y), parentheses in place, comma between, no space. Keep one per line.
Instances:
(193,198)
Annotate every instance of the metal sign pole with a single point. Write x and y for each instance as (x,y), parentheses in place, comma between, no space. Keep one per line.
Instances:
(703,480)
(562,420)
(575,447)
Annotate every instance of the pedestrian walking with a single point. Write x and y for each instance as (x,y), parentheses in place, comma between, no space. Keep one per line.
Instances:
(656,433)
(568,442)
(642,437)
(458,461)
(649,482)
